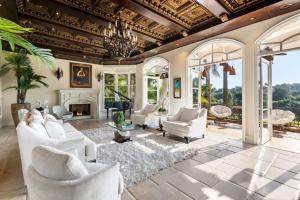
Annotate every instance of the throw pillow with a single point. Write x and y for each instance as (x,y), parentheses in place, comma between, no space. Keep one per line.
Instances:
(56,164)
(39,128)
(49,117)
(36,115)
(54,129)
(188,114)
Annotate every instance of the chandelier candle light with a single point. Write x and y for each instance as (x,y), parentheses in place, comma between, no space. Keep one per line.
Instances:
(119,40)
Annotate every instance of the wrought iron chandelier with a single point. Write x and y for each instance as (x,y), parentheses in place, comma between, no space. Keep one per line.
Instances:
(119,40)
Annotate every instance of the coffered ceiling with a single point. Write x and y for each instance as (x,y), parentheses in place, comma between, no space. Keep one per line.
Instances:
(74,28)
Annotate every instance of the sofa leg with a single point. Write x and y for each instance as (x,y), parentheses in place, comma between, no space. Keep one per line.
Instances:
(187,139)
(144,126)
(164,133)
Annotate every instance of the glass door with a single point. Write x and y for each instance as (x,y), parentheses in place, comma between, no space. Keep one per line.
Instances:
(265,98)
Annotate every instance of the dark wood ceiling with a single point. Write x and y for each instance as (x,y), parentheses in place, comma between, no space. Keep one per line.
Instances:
(73,29)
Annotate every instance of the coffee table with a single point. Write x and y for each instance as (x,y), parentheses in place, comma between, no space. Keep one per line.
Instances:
(121,133)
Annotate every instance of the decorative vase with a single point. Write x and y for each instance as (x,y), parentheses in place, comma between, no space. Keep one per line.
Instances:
(15,107)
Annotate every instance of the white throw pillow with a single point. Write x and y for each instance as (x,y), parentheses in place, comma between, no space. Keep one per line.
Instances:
(55,129)
(56,164)
(49,117)
(188,114)
(36,115)
(39,128)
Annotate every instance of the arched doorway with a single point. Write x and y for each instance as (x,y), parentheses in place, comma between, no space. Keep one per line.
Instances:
(278,51)
(213,70)
(156,82)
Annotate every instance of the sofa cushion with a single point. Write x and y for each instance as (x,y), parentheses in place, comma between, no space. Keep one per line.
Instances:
(49,117)
(55,129)
(39,128)
(176,125)
(69,128)
(36,116)
(56,164)
(188,114)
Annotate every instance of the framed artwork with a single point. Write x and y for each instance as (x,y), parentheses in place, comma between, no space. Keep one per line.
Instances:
(80,75)
(177,88)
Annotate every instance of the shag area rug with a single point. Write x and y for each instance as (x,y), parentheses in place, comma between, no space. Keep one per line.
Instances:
(144,156)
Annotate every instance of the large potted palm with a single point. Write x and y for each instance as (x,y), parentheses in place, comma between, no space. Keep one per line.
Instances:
(26,80)
(10,37)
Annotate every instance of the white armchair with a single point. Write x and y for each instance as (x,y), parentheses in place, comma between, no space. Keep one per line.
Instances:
(187,123)
(60,112)
(57,175)
(146,117)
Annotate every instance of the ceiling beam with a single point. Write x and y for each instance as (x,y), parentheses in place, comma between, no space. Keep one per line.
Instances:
(140,9)
(60,28)
(214,7)
(57,6)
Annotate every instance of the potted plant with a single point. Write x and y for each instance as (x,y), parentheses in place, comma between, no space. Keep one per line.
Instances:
(119,118)
(26,80)
(10,37)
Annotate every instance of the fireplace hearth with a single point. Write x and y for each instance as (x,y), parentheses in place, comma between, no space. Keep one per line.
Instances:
(80,110)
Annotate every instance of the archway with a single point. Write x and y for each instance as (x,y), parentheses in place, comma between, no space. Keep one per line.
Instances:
(221,58)
(278,51)
(156,82)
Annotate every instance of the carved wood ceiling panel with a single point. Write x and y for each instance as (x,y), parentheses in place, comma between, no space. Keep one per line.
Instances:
(236,5)
(77,25)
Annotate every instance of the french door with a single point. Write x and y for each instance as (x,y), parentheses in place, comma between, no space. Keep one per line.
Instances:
(265,98)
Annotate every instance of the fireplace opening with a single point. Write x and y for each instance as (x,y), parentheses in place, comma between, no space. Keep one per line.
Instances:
(80,109)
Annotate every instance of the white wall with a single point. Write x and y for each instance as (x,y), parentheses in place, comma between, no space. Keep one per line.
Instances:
(50,93)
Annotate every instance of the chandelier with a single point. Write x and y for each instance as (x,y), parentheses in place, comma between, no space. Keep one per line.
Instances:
(119,40)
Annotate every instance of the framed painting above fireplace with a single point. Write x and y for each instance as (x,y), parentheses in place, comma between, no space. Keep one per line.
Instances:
(80,75)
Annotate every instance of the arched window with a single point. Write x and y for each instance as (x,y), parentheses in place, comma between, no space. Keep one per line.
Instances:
(219,57)
(156,85)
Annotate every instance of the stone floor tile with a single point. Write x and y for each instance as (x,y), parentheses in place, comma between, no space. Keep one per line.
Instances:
(277,191)
(255,196)
(285,177)
(287,165)
(226,191)
(163,192)
(163,176)
(141,188)
(127,196)
(187,185)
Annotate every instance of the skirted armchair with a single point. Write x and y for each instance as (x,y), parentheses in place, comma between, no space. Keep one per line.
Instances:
(58,175)
(146,117)
(60,112)
(187,123)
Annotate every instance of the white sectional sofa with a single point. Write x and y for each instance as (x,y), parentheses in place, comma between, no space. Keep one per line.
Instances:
(32,131)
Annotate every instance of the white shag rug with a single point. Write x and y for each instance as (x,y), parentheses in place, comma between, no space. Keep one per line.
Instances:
(144,156)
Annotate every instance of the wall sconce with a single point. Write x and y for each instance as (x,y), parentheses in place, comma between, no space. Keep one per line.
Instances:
(59,73)
(99,76)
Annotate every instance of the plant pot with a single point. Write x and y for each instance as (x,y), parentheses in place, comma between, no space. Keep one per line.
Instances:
(15,108)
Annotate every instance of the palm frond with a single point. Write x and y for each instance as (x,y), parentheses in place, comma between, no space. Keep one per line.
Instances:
(215,70)
(8,88)
(10,32)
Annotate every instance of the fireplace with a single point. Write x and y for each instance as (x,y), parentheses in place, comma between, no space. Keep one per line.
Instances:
(80,110)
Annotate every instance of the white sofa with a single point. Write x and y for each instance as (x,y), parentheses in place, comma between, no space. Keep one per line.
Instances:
(34,133)
(187,123)
(57,175)
(146,116)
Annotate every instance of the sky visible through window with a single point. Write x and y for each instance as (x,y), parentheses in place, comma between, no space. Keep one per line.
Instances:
(286,69)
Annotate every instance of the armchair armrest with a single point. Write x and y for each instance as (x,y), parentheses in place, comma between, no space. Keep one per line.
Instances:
(137,112)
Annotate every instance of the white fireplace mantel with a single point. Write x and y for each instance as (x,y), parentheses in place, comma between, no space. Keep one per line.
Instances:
(81,96)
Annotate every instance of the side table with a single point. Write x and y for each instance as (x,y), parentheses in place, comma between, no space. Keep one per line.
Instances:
(161,119)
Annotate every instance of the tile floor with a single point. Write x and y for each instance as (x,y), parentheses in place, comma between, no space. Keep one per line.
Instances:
(225,169)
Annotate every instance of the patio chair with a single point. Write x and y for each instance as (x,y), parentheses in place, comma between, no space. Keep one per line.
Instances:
(282,117)
(60,112)
(220,112)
